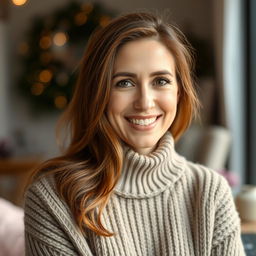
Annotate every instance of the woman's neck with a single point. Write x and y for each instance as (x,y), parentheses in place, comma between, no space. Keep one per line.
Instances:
(148,175)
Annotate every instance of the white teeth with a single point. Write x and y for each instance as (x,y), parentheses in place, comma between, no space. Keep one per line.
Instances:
(143,121)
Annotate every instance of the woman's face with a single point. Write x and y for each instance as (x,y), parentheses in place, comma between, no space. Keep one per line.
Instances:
(144,94)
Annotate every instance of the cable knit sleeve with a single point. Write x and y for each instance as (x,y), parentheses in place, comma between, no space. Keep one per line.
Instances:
(49,228)
(226,236)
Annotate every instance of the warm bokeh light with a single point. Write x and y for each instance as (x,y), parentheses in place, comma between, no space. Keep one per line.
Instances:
(87,8)
(45,42)
(60,38)
(37,89)
(19,2)
(104,21)
(60,102)
(45,76)
(80,18)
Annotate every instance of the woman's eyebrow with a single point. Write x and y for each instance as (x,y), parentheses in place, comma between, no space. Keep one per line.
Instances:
(129,74)
(124,74)
(161,72)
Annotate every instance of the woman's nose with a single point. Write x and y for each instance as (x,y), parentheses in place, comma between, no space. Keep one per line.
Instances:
(145,99)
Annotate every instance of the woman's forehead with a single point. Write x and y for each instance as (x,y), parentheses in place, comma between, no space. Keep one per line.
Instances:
(148,54)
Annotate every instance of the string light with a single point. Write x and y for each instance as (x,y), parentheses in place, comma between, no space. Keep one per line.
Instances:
(45,42)
(19,2)
(80,18)
(87,8)
(37,89)
(104,21)
(60,102)
(60,38)
(45,76)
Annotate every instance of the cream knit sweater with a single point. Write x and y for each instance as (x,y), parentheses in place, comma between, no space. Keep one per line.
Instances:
(162,205)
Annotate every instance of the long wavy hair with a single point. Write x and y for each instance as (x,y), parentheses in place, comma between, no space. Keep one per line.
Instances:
(90,165)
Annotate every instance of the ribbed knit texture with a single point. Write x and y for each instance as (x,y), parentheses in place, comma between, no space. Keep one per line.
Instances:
(162,205)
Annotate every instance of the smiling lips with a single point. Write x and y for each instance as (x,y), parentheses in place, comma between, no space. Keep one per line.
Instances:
(143,122)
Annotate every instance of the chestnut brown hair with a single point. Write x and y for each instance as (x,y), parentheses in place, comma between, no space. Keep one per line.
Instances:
(89,168)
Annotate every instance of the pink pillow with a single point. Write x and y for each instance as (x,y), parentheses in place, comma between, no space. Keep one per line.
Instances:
(11,229)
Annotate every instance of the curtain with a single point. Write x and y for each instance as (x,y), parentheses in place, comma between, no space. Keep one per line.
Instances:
(229,50)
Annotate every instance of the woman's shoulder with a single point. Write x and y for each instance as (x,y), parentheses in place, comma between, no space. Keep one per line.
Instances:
(42,195)
(206,179)
(48,219)
(202,172)
(212,193)
(42,188)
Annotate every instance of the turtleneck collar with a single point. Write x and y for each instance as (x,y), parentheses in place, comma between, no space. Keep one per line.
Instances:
(146,176)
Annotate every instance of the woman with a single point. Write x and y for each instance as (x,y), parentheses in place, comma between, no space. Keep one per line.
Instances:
(120,188)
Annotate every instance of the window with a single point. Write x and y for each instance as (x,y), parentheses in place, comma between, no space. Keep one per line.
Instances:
(250,17)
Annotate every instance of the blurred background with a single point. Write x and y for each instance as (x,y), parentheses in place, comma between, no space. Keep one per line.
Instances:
(41,43)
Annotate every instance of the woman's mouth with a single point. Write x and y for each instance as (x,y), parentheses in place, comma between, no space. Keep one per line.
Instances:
(143,121)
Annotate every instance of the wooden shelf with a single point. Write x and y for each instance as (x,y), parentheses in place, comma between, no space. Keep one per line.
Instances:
(16,166)
(17,170)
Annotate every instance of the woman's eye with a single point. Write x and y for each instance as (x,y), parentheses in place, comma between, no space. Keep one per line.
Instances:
(124,83)
(161,81)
